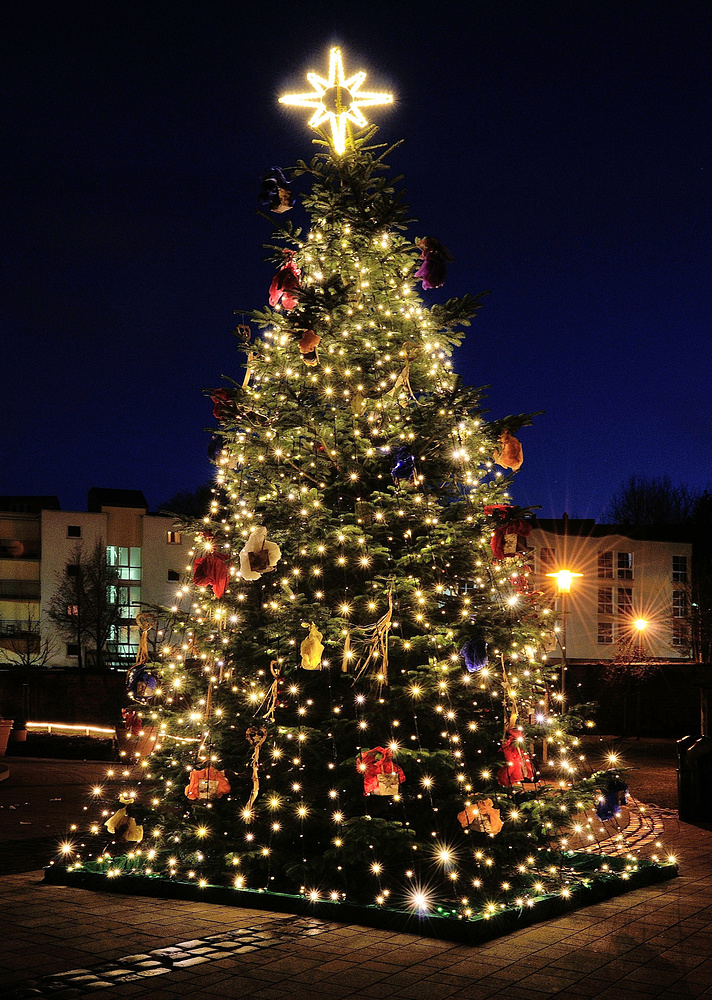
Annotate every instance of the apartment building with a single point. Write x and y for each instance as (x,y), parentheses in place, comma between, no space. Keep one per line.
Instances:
(38,542)
(633,591)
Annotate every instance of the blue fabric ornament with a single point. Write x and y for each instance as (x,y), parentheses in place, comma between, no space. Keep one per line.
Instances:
(141,684)
(610,803)
(474,653)
(403,465)
(276,192)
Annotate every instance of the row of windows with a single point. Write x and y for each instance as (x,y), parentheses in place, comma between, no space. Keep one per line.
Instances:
(623,565)
(75,531)
(607,632)
(20,590)
(615,565)
(624,601)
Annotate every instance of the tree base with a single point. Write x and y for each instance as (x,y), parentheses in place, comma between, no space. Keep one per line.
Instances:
(621,876)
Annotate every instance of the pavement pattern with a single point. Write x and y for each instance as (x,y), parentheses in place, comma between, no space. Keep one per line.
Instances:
(59,941)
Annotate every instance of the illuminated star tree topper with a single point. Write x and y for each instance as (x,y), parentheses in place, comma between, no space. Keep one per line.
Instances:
(337,100)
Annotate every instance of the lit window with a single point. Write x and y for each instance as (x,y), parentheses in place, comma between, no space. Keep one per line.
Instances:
(173,537)
(679,569)
(605,600)
(605,565)
(625,565)
(122,642)
(73,610)
(605,633)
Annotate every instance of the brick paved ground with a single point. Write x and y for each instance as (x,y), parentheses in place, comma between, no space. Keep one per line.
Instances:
(654,942)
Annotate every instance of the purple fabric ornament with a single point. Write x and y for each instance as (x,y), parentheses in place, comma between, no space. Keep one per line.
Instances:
(140,684)
(276,192)
(474,653)
(610,803)
(403,465)
(215,446)
(433,271)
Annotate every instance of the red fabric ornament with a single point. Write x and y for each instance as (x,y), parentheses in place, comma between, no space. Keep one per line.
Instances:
(223,404)
(511,455)
(508,538)
(133,722)
(522,584)
(212,571)
(207,784)
(518,766)
(285,287)
(381,775)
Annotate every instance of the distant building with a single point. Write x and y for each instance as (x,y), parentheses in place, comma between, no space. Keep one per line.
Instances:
(633,591)
(37,542)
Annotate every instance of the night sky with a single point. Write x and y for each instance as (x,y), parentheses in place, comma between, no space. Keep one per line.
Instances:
(561,151)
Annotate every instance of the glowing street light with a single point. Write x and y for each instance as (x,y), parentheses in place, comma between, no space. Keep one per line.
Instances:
(563,579)
(640,624)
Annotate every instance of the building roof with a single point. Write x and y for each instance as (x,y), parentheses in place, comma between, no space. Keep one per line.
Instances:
(587,528)
(28,505)
(99,498)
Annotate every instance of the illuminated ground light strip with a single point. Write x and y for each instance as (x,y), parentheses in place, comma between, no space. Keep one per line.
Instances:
(588,880)
(66,727)
(337,100)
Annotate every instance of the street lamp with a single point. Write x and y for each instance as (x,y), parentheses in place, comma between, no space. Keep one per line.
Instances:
(563,579)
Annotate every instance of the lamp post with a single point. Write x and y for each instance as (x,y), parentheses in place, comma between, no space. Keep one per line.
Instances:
(637,653)
(563,579)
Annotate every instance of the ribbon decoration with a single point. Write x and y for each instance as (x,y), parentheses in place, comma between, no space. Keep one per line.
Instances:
(377,636)
(255,736)
(271,697)
(252,356)
(145,623)
(403,380)
(347,654)
(511,696)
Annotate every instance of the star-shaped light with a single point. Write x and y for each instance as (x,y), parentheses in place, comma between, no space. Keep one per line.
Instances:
(337,100)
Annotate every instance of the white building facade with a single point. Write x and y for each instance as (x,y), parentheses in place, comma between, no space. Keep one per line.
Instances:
(633,589)
(148,551)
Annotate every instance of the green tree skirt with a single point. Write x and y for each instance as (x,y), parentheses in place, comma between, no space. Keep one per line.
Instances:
(585,879)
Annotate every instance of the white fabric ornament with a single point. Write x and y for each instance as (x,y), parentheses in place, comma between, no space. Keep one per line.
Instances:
(258,556)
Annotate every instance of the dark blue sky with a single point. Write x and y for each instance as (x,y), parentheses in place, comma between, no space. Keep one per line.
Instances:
(562,151)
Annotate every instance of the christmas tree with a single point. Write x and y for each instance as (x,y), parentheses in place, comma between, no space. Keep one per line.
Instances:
(350,698)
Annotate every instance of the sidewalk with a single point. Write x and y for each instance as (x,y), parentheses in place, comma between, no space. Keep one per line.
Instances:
(653,942)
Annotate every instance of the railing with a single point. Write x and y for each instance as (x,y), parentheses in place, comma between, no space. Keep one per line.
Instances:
(19,627)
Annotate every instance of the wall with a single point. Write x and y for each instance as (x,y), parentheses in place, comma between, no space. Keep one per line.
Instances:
(57,551)
(159,557)
(64,696)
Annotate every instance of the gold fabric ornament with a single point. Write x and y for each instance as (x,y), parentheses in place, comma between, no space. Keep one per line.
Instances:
(311,648)
(481,817)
